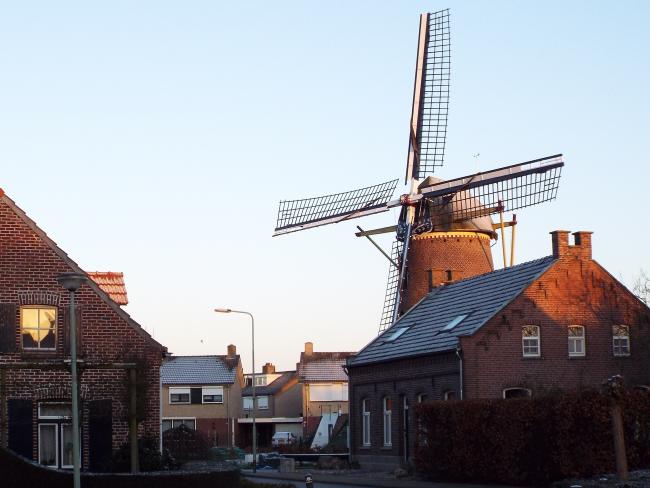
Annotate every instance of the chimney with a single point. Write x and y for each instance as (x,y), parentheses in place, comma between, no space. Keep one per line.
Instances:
(582,241)
(232,350)
(309,348)
(560,239)
(268,368)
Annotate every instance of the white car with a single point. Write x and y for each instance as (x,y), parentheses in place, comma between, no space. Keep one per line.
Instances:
(283,439)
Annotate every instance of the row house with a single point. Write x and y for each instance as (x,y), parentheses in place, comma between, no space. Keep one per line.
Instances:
(203,393)
(35,379)
(559,323)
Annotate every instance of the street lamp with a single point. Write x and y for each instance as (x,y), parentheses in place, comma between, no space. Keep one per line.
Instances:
(228,310)
(72,282)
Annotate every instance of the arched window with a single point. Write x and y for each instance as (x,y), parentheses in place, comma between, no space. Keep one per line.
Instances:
(576,334)
(422,397)
(365,421)
(530,341)
(621,340)
(449,395)
(388,421)
(516,392)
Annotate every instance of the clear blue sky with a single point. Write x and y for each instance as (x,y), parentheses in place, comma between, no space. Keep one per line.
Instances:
(156,138)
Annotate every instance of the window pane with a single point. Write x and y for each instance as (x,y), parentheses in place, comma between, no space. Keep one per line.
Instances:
(29,317)
(56,410)
(66,445)
(38,327)
(166,425)
(47,445)
(263,402)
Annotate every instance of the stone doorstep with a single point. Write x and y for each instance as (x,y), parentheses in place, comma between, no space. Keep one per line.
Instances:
(344,479)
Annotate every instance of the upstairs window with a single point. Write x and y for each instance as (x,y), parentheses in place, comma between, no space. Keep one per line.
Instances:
(530,341)
(621,340)
(212,395)
(38,327)
(179,395)
(365,423)
(247,403)
(576,341)
(262,403)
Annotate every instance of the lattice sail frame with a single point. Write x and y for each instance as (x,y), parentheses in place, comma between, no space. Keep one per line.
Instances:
(390,298)
(294,215)
(430,97)
(505,189)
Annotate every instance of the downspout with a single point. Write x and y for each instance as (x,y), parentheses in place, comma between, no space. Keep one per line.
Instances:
(460,363)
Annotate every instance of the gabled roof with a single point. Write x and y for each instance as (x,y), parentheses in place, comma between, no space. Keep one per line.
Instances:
(112,283)
(323,366)
(199,370)
(272,388)
(478,299)
(75,267)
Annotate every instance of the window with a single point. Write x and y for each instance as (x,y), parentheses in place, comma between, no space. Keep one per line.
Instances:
(422,397)
(335,392)
(55,435)
(449,275)
(395,334)
(38,327)
(260,380)
(449,395)
(213,395)
(179,395)
(451,325)
(621,340)
(172,423)
(530,341)
(388,420)
(365,421)
(262,402)
(248,403)
(576,341)
(516,393)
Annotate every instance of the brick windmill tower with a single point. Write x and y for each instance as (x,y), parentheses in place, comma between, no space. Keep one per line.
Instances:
(444,231)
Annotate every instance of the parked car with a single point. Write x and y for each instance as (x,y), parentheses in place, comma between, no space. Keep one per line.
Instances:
(283,439)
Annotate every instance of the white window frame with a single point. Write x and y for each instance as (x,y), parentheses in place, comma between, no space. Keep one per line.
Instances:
(518,388)
(388,421)
(365,422)
(54,417)
(247,399)
(66,466)
(180,391)
(211,391)
(56,444)
(574,340)
(615,338)
(184,419)
(259,405)
(526,340)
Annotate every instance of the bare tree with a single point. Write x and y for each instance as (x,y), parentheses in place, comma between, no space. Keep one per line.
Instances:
(641,287)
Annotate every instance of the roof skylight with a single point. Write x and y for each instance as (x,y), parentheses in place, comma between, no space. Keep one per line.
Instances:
(396,333)
(451,325)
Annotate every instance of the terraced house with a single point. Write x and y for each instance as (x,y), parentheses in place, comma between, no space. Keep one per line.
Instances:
(35,380)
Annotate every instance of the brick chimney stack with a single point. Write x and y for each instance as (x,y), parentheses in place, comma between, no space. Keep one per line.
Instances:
(232,350)
(560,239)
(268,368)
(309,348)
(581,244)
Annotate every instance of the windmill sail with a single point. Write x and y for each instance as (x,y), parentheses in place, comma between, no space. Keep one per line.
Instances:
(295,215)
(392,284)
(428,130)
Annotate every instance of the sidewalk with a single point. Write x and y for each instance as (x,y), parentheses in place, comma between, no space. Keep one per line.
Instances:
(380,480)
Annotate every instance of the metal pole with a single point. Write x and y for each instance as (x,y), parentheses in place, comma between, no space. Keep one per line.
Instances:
(76,467)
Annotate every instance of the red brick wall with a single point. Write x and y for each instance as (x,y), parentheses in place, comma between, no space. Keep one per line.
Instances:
(431,255)
(28,270)
(575,291)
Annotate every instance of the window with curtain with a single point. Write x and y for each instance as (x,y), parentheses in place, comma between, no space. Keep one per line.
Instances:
(576,341)
(530,341)
(388,421)
(38,327)
(621,340)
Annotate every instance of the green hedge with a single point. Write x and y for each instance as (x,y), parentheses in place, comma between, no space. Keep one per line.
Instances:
(530,440)
(20,473)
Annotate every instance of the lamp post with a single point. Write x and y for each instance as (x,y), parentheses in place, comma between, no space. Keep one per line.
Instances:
(72,282)
(228,310)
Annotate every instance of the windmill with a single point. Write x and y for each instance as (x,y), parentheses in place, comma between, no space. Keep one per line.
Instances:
(432,205)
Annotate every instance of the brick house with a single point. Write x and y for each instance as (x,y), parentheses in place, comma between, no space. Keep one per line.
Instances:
(279,406)
(324,393)
(35,393)
(204,393)
(555,324)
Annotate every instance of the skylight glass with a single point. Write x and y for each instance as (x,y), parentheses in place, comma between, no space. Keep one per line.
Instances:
(398,332)
(454,322)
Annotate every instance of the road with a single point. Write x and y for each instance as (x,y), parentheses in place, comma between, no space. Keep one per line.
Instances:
(299,484)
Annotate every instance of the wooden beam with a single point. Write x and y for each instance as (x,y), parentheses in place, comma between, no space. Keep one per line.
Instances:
(382,230)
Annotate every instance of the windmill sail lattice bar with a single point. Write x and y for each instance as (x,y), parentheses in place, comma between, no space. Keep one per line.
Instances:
(391,286)
(295,215)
